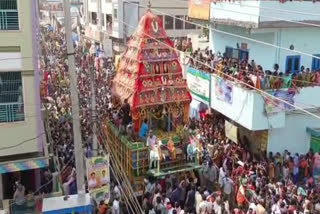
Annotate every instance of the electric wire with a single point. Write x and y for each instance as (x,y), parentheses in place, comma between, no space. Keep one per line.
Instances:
(230,34)
(121,174)
(271,17)
(280,10)
(51,180)
(21,143)
(121,171)
(233,78)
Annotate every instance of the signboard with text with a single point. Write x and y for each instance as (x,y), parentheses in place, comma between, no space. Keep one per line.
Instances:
(199,9)
(199,85)
(98,175)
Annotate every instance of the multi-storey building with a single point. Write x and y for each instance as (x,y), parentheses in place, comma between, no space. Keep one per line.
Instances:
(292,25)
(119,18)
(269,32)
(22,152)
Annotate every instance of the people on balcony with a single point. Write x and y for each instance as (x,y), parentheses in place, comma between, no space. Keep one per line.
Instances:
(252,74)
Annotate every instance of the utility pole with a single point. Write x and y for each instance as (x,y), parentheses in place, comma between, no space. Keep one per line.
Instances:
(75,102)
(93,108)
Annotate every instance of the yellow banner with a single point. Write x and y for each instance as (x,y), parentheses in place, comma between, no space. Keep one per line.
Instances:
(231,131)
(199,9)
(98,175)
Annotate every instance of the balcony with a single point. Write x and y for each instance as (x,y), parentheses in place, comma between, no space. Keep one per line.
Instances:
(11,112)
(248,107)
(263,14)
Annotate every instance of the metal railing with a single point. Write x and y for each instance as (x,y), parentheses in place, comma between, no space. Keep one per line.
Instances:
(11,112)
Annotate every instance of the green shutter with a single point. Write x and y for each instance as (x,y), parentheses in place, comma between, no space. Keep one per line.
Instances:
(315,143)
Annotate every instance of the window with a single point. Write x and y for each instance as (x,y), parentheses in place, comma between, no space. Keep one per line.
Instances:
(168,22)
(236,53)
(229,52)
(109,23)
(9,19)
(94,18)
(189,26)
(11,97)
(315,63)
(293,63)
(179,22)
(115,13)
(243,55)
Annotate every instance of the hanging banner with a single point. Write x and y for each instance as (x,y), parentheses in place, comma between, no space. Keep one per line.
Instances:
(107,47)
(98,175)
(199,9)
(224,90)
(274,106)
(199,85)
(231,131)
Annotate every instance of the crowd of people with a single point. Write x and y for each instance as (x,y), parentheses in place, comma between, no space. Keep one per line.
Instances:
(184,45)
(233,180)
(251,73)
(55,95)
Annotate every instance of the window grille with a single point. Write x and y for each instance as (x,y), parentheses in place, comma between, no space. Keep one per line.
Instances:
(11,97)
(9,18)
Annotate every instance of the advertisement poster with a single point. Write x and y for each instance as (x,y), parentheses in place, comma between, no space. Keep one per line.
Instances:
(98,175)
(224,90)
(275,106)
(199,9)
(231,131)
(199,85)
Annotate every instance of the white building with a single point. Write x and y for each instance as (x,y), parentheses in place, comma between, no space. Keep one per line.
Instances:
(275,23)
(119,18)
(270,22)
(22,151)
(292,130)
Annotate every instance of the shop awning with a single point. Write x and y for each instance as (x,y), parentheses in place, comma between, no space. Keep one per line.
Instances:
(22,165)
(313,131)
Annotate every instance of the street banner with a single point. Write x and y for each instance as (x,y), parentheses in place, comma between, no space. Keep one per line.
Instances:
(199,85)
(231,131)
(274,106)
(224,90)
(98,175)
(199,9)
(107,47)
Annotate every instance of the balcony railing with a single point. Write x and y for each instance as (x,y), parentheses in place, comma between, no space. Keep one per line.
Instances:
(11,112)
(9,20)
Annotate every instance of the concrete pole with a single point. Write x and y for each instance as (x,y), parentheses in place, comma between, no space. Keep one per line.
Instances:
(99,15)
(93,109)
(75,102)
(1,190)
(86,12)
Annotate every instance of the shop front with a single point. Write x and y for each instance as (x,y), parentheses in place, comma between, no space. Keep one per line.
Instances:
(27,172)
(254,141)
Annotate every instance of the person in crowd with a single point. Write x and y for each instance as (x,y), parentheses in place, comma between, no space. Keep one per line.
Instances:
(250,73)
(233,179)
(19,195)
(143,130)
